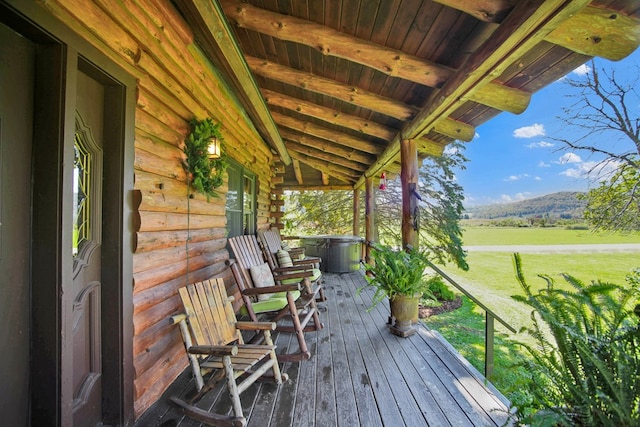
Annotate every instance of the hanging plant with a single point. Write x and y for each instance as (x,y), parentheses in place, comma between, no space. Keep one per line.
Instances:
(204,172)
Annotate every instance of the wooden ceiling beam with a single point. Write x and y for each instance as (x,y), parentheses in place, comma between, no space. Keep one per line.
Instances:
(323,155)
(325,179)
(447,127)
(297,171)
(329,115)
(327,147)
(336,137)
(338,172)
(392,62)
(493,11)
(428,147)
(343,92)
(598,32)
(317,187)
(593,31)
(526,26)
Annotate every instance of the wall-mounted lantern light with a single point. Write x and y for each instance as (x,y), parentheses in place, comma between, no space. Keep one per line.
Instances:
(214,148)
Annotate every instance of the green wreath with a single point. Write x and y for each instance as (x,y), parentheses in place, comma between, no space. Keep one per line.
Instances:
(205,174)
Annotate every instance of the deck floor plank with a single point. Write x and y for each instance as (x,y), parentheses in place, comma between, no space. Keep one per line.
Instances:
(359,375)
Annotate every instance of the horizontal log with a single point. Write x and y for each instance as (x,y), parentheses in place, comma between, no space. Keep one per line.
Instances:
(321,144)
(157,147)
(336,137)
(455,129)
(150,162)
(155,240)
(149,385)
(161,221)
(148,102)
(335,117)
(338,172)
(164,344)
(488,11)
(146,338)
(156,201)
(596,31)
(318,187)
(96,23)
(147,181)
(157,313)
(322,155)
(149,278)
(152,126)
(149,260)
(167,18)
(392,62)
(343,92)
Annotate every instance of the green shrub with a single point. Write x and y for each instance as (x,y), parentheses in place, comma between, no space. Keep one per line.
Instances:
(438,289)
(586,357)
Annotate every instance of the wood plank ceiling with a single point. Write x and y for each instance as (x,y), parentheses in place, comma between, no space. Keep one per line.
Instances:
(345,80)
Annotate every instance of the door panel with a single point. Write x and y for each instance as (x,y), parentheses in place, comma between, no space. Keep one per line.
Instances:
(87,238)
(16,122)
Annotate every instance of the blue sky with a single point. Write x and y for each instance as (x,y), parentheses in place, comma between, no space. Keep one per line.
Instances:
(512,156)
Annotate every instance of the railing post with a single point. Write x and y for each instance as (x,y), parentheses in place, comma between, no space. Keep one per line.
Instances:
(488,345)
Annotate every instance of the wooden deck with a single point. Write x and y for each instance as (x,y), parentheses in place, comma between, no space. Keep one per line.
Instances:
(359,374)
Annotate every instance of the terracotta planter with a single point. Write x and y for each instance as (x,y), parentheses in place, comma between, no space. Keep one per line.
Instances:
(404,309)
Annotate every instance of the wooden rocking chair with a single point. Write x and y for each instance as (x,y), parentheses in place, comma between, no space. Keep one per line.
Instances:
(282,261)
(215,345)
(271,239)
(257,285)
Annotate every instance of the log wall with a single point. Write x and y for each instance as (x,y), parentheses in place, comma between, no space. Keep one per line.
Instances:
(150,40)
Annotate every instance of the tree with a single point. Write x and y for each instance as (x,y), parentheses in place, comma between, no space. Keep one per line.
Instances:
(317,212)
(605,122)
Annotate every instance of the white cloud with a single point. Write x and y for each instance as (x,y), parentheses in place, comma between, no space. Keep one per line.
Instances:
(569,158)
(537,178)
(541,144)
(517,177)
(582,70)
(542,164)
(529,131)
(598,171)
(505,198)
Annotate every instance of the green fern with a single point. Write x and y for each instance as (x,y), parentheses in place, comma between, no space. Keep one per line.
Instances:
(205,174)
(586,358)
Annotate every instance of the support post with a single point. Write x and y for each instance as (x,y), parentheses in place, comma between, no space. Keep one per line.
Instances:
(369,219)
(489,346)
(356,212)
(409,180)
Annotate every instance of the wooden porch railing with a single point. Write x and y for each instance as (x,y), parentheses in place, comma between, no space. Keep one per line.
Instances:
(491,317)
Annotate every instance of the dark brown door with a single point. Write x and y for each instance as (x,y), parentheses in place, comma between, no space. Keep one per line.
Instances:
(16,117)
(86,234)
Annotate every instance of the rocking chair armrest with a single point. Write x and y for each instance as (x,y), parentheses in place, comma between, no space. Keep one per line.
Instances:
(175,319)
(214,350)
(296,251)
(307,262)
(271,289)
(256,326)
(295,269)
(299,274)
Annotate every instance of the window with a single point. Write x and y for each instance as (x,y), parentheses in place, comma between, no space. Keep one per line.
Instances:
(241,201)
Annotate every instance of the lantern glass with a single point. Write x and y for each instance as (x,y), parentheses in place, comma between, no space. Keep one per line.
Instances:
(214,148)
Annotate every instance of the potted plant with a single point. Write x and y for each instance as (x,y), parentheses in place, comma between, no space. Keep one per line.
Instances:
(397,274)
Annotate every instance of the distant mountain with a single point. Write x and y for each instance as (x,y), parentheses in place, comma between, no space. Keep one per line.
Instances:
(557,205)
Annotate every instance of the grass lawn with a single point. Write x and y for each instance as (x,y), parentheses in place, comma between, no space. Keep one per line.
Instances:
(491,279)
(474,235)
